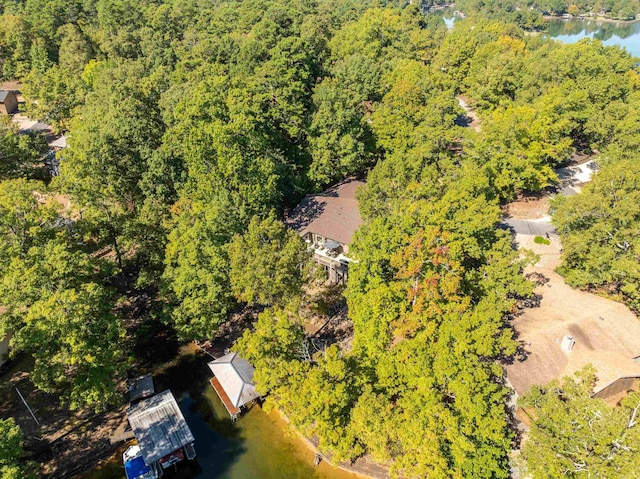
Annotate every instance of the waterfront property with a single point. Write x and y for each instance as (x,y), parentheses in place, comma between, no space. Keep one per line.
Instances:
(233,382)
(327,222)
(163,437)
(623,34)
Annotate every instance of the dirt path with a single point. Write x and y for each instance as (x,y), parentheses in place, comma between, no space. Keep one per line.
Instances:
(63,441)
(471,114)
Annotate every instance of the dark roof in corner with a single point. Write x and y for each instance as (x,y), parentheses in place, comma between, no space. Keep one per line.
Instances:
(159,426)
(140,388)
(332,214)
(3,95)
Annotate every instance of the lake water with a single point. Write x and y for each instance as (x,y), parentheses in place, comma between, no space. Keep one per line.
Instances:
(626,35)
(256,446)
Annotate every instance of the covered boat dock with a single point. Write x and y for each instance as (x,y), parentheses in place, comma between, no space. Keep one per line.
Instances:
(162,433)
(233,382)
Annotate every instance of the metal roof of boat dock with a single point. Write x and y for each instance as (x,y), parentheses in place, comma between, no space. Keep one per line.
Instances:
(234,377)
(159,426)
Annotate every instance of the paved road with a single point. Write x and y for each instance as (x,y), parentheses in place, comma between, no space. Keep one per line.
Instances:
(530,227)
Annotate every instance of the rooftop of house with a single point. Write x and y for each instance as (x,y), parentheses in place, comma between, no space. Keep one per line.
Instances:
(3,95)
(332,214)
(59,143)
(159,426)
(615,392)
(606,335)
(235,376)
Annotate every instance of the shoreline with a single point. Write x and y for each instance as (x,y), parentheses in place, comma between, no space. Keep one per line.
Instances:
(592,19)
(342,466)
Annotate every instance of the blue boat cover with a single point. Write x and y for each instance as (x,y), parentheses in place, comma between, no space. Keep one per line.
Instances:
(136,468)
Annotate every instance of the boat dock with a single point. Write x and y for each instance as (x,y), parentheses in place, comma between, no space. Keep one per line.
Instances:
(231,409)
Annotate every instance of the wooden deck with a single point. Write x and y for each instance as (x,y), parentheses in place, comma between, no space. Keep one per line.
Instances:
(234,411)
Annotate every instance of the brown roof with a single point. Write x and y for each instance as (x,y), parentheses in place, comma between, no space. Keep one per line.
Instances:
(332,214)
(618,390)
(606,334)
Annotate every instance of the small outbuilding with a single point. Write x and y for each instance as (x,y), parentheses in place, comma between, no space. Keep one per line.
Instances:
(233,382)
(140,388)
(8,102)
(162,433)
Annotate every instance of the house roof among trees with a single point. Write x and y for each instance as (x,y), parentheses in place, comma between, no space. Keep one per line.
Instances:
(332,214)
(618,390)
(159,426)
(607,337)
(235,376)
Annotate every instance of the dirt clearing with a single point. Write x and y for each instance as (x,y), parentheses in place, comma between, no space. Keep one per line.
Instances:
(527,208)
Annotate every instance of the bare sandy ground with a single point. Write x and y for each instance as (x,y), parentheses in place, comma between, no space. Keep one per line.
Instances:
(475,121)
(527,208)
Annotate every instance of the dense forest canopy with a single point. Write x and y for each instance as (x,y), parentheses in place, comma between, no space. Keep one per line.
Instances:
(607,437)
(194,125)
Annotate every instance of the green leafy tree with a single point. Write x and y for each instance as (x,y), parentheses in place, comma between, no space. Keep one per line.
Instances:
(599,231)
(11,451)
(52,303)
(197,271)
(75,48)
(273,347)
(111,144)
(496,70)
(24,221)
(414,117)
(76,343)
(15,43)
(54,96)
(574,435)
(40,60)
(341,140)
(453,59)
(519,146)
(316,389)
(20,155)
(269,263)
(230,181)
(428,297)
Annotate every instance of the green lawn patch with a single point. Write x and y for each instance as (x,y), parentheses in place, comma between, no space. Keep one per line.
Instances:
(541,240)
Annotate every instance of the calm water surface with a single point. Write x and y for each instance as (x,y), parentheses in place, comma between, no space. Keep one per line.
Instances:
(626,35)
(255,446)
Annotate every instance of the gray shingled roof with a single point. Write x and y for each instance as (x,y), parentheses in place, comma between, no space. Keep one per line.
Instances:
(235,375)
(3,95)
(159,426)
